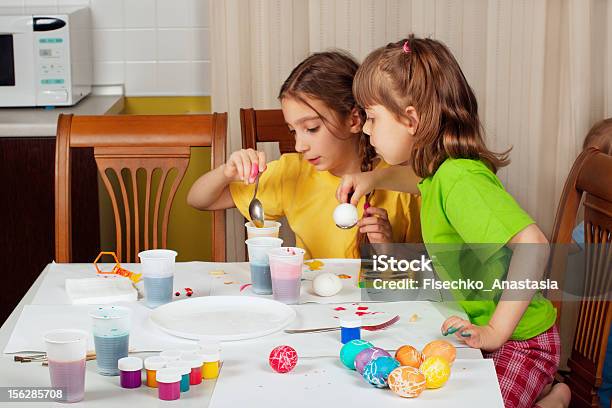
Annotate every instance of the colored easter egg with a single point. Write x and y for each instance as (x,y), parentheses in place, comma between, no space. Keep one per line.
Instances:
(409,356)
(406,381)
(441,348)
(326,284)
(350,350)
(283,359)
(377,371)
(367,355)
(436,370)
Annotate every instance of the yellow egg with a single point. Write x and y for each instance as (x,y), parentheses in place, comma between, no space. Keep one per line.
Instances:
(409,356)
(441,348)
(407,382)
(436,371)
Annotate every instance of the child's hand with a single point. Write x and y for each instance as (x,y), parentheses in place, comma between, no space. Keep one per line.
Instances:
(375,223)
(359,184)
(244,165)
(480,337)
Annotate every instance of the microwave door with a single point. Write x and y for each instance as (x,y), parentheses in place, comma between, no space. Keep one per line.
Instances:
(17,80)
(7,60)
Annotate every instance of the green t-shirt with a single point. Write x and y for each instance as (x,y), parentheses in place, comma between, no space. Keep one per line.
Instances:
(465,206)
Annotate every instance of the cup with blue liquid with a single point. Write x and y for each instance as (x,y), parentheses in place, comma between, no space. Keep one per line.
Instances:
(111,332)
(259,263)
(158,275)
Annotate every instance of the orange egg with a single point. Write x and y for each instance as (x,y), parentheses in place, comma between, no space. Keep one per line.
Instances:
(407,382)
(441,348)
(436,370)
(409,356)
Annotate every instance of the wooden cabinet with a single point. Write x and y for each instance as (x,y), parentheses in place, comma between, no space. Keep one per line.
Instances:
(27,168)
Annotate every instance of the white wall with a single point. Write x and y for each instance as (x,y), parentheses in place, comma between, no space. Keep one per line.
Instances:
(153,47)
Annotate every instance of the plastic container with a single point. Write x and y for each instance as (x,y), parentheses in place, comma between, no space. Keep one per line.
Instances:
(270,229)
(210,365)
(66,351)
(168,384)
(171,355)
(184,368)
(286,271)
(158,275)
(151,365)
(111,332)
(195,362)
(259,263)
(350,328)
(130,372)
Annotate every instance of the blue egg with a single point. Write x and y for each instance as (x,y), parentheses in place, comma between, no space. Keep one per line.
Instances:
(351,349)
(377,371)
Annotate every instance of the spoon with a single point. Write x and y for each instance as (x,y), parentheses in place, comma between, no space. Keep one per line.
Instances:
(256,211)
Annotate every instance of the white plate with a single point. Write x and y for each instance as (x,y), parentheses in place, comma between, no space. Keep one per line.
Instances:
(224,318)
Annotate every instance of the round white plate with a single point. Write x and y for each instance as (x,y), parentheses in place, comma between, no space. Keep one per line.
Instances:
(223,318)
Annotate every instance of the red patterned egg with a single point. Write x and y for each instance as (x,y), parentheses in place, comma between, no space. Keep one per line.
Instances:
(283,359)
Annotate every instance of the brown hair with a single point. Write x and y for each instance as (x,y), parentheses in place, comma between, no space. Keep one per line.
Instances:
(328,77)
(423,73)
(600,136)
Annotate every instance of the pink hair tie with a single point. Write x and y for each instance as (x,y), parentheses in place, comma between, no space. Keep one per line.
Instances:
(406,47)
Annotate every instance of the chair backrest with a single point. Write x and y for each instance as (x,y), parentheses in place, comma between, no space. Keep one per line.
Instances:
(129,150)
(591,177)
(265,126)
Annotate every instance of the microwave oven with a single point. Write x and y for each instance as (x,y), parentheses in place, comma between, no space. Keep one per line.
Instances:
(45,59)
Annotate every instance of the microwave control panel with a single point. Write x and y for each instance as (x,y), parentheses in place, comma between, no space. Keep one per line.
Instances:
(52,55)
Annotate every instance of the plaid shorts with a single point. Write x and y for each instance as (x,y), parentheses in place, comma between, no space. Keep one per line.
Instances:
(525,367)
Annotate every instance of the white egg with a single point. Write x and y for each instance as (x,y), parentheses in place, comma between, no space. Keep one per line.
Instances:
(345,215)
(326,284)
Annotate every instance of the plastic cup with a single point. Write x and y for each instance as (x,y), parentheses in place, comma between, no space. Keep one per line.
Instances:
(158,275)
(259,263)
(270,229)
(66,352)
(111,331)
(286,271)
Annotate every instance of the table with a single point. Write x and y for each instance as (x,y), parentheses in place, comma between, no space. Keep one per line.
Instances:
(105,391)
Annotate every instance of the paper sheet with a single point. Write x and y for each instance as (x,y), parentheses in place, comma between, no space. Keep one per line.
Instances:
(325,382)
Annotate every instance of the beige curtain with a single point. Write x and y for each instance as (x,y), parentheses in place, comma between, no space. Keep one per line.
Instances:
(255,44)
(541,69)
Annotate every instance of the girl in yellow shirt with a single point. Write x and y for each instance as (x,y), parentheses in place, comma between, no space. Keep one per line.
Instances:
(320,110)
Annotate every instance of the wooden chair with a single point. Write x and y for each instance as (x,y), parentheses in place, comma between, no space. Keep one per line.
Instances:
(265,126)
(126,145)
(591,177)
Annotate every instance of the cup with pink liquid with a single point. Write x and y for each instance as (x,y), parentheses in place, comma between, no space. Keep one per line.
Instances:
(286,271)
(66,352)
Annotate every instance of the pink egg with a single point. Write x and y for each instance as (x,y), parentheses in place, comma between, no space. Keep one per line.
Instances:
(283,359)
(367,355)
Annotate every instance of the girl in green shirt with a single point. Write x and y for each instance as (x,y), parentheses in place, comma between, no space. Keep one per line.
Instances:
(422,113)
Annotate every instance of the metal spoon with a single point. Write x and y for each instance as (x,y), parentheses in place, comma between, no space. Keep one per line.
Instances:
(256,211)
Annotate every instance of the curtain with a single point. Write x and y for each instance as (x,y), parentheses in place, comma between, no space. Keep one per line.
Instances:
(540,70)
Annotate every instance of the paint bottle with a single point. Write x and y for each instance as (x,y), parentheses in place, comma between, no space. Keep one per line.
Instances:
(130,372)
(151,365)
(350,328)
(171,355)
(210,366)
(168,384)
(184,368)
(195,361)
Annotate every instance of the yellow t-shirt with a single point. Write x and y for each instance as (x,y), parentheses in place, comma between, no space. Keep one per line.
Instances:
(293,188)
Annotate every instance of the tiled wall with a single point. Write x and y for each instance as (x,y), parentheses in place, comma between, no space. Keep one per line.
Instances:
(153,47)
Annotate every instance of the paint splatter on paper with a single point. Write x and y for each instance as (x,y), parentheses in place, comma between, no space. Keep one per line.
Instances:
(314,265)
